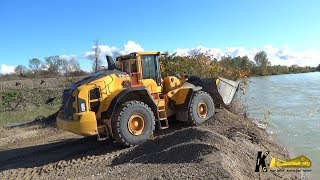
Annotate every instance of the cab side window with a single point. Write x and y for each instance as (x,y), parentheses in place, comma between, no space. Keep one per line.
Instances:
(129,66)
(133,65)
(149,67)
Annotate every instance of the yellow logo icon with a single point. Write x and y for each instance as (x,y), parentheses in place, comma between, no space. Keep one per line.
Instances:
(298,162)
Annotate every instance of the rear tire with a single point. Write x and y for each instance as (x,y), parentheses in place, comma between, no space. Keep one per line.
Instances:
(201,108)
(132,123)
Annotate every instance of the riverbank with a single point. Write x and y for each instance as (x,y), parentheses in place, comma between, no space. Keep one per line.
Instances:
(225,147)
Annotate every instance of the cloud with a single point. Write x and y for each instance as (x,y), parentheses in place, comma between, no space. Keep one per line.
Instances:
(129,47)
(286,56)
(277,56)
(6,69)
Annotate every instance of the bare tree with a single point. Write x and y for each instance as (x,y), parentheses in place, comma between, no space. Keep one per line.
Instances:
(35,65)
(54,64)
(115,53)
(96,56)
(20,69)
(74,65)
(69,66)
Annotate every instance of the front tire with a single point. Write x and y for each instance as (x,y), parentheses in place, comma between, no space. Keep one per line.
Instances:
(201,108)
(132,123)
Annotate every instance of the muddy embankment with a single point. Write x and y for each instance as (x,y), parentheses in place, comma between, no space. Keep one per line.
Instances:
(27,94)
(225,147)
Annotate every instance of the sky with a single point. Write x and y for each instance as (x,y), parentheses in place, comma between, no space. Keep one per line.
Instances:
(288,30)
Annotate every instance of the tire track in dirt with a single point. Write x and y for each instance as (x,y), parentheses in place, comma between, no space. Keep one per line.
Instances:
(56,152)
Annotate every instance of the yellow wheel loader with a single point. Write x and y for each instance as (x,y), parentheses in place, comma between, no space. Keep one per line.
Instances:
(127,103)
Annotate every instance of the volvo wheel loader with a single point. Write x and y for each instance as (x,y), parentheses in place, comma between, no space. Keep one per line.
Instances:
(127,103)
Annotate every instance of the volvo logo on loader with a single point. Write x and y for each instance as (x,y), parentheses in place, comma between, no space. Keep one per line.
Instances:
(129,100)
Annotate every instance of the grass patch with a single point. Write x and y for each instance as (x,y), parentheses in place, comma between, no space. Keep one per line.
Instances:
(16,117)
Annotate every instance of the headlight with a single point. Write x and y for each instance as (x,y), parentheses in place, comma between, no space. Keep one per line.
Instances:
(81,105)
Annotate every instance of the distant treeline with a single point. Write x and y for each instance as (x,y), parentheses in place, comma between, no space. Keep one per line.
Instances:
(200,64)
(261,66)
(51,66)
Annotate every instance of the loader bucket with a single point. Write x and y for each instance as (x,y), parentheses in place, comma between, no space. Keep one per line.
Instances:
(227,89)
(221,90)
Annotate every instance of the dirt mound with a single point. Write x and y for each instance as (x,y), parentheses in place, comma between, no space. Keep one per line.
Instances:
(223,148)
(228,156)
(185,146)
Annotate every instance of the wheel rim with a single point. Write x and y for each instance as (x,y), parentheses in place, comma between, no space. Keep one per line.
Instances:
(136,124)
(202,110)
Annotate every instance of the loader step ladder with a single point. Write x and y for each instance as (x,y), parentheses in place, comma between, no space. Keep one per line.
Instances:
(162,122)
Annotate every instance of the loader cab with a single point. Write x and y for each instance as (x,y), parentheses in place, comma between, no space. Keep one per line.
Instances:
(141,65)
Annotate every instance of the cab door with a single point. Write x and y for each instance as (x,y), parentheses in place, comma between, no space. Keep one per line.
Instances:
(151,68)
(151,72)
(131,67)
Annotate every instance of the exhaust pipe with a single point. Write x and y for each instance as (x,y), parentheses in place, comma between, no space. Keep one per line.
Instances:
(111,63)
